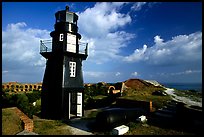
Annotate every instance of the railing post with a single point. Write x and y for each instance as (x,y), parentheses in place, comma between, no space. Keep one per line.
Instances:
(40,46)
(86,49)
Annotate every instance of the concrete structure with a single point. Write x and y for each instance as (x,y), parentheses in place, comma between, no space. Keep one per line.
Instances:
(22,87)
(63,89)
(142,119)
(120,130)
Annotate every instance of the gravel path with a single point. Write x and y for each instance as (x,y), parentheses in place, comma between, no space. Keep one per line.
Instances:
(25,132)
(185,100)
(77,131)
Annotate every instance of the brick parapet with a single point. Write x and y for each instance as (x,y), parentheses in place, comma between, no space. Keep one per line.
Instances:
(27,122)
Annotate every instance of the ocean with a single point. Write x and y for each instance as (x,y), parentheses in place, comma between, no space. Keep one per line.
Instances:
(184,86)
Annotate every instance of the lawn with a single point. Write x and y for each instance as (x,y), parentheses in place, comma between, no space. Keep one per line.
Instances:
(11,123)
(145,94)
(51,127)
(147,129)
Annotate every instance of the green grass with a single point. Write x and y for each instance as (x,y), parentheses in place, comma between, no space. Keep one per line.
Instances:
(51,127)
(38,102)
(92,114)
(99,97)
(145,94)
(194,96)
(11,123)
(146,129)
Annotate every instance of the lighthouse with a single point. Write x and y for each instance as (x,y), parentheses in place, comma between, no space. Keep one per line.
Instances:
(62,89)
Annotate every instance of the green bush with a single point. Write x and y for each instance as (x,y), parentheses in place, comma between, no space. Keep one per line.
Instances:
(23,104)
(8,100)
(33,96)
(23,101)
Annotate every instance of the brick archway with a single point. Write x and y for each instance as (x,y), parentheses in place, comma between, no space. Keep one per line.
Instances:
(111,89)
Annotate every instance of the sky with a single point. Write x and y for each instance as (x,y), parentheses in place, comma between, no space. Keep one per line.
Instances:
(159,41)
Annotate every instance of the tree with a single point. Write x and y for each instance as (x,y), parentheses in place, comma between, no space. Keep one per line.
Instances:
(33,96)
(7,99)
(23,104)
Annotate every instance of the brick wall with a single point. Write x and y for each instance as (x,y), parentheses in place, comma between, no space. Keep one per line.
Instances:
(27,122)
(19,87)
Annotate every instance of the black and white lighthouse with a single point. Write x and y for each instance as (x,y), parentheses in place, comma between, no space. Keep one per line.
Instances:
(62,88)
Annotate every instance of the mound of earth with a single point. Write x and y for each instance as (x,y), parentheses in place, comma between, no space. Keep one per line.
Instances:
(137,84)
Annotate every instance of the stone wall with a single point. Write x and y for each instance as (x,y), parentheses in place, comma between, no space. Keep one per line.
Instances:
(19,87)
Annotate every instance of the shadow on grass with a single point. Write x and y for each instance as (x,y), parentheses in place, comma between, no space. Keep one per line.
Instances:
(185,120)
(100,103)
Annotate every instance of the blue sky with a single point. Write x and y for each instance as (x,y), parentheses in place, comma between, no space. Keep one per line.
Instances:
(148,40)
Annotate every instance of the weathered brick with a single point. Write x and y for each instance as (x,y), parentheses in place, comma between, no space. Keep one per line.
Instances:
(27,122)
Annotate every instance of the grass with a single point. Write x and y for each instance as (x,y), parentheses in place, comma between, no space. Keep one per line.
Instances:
(146,129)
(11,123)
(194,96)
(137,128)
(56,127)
(99,97)
(92,114)
(51,127)
(145,94)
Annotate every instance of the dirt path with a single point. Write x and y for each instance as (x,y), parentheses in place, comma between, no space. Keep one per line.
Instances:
(185,100)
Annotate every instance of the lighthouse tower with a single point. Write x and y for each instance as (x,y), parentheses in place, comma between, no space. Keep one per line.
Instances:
(62,88)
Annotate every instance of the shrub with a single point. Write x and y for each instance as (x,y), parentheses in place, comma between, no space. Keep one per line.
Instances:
(23,104)
(33,96)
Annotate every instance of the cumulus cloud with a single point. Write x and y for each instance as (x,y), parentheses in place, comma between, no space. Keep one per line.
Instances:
(94,74)
(137,55)
(158,40)
(134,74)
(106,18)
(180,49)
(186,72)
(138,6)
(117,73)
(99,27)
(20,48)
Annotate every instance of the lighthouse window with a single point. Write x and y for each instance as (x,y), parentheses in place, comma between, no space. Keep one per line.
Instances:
(71,43)
(61,37)
(72,67)
(69,17)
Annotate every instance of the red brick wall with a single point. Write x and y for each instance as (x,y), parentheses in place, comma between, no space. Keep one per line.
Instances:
(27,122)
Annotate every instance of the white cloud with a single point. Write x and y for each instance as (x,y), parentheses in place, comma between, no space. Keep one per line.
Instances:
(99,27)
(5,71)
(101,19)
(117,73)
(138,6)
(158,40)
(134,74)
(20,48)
(186,72)
(94,74)
(20,44)
(137,55)
(40,62)
(180,49)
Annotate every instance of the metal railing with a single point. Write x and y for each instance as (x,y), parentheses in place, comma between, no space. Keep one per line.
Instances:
(83,48)
(45,46)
